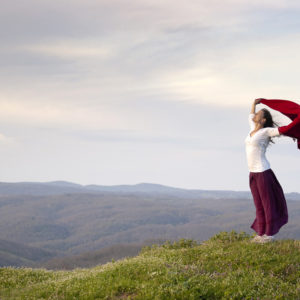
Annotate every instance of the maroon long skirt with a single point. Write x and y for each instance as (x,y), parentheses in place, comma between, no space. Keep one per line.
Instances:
(270,203)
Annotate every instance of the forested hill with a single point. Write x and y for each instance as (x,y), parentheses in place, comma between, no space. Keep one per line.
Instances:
(85,228)
(227,266)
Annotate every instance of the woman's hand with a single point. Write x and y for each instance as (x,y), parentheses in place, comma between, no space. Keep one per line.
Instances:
(257,101)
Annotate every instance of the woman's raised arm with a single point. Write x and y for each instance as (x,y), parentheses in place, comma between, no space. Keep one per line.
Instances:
(256,101)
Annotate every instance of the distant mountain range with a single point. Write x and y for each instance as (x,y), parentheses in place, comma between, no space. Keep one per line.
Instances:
(64,225)
(64,187)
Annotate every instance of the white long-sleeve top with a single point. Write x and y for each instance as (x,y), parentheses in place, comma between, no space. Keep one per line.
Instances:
(256,146)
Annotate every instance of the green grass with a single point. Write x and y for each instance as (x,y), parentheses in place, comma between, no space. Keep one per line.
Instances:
(227,266)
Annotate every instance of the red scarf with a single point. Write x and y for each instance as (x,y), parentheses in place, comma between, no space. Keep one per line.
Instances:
(291,110)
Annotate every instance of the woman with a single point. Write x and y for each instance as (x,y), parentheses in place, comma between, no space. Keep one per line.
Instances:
(268,196)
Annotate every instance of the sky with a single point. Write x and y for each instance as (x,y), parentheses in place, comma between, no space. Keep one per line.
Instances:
(116,92)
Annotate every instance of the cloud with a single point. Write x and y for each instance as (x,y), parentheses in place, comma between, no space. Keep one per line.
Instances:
(71,49)
(60,115)
(200,51)
(5,140)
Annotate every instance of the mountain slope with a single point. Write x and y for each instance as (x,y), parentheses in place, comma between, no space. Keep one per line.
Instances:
(227,266)
(93,258)
(77,223)
(18,254)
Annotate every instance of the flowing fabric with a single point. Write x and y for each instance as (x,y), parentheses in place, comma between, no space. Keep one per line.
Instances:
(291,110)
(270,203)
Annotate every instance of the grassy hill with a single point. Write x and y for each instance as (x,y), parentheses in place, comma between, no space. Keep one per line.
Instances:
(227,266)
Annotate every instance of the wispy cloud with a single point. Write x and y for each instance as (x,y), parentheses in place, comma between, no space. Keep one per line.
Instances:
(71,50)
(5,140)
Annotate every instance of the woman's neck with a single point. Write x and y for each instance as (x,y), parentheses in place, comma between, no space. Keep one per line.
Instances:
(258,126)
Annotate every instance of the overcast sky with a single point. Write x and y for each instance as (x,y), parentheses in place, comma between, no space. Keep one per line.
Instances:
(123,92)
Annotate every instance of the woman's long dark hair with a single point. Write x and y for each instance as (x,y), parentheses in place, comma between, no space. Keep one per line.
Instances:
(269,121)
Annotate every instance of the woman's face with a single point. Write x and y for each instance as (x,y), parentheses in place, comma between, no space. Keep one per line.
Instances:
(259,117)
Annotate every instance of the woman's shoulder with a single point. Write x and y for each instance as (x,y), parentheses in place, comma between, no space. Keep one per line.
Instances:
(268,128)
(270,131)
(263,132)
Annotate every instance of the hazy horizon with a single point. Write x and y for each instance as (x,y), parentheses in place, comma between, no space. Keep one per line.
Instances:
(62,182)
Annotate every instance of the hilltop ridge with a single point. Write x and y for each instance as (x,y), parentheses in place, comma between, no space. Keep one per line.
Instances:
(63,187)
(227,266)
